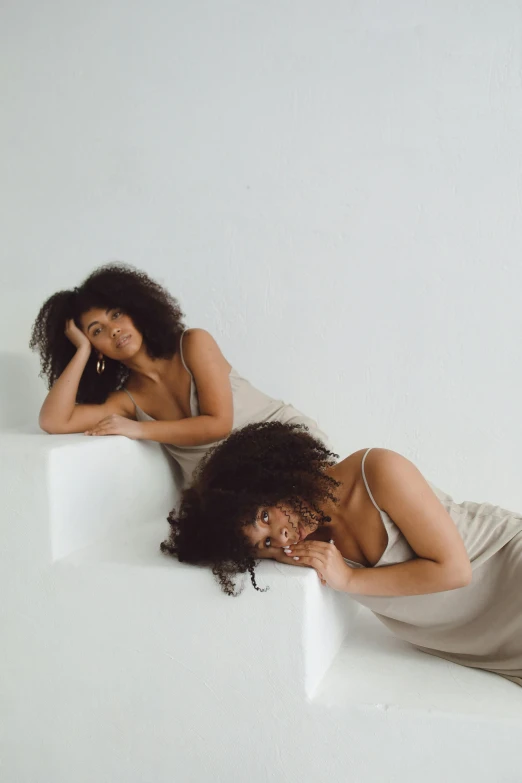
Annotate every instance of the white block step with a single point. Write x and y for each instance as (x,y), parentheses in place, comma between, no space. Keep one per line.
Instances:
(59,493)
(317,619)
(89,488)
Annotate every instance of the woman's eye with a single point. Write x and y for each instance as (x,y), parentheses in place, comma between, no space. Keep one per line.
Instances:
(116,314)
(96,332)
(268,543)
(264,517)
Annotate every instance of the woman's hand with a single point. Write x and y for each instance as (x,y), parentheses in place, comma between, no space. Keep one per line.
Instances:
(272,553)
(325,558)
(76,336)
(117,425)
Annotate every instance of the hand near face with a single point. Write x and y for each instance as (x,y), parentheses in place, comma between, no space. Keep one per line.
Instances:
(76,336)
(325,558)
(272,553)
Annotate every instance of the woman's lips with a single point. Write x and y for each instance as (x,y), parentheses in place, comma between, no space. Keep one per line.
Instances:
(123,341)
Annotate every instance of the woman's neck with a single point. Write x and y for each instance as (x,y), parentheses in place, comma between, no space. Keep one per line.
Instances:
(142,364)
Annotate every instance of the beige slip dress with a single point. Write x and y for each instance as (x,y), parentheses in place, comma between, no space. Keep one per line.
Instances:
(479,625)
(250,406)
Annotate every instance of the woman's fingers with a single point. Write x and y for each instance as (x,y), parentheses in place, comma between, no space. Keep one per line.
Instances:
(75,335)
(272,553)
(311,547)
(318,555)
(114,424)
(325,558)
(309,561)
(103,427)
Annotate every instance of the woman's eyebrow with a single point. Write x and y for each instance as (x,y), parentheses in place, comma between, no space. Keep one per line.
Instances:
(97,322)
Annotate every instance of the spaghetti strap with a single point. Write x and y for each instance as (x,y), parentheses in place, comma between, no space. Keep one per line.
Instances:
(366,481)
(130,395)
(181,352)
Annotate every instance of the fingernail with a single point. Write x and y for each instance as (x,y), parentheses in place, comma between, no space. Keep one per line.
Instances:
(331,541)
(288,551)
(296,558)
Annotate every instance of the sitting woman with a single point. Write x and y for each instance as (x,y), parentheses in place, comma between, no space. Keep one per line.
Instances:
(442,575)
(119,361)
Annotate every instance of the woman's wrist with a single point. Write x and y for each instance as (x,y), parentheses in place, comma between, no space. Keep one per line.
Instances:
(83,353)
(140,431)
(349,585)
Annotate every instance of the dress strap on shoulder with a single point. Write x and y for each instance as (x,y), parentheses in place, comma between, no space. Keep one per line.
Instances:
(366,481)
(130,395)
(181,351)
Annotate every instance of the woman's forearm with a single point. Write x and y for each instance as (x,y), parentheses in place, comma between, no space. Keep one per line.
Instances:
(59,404)
(193,431)
(415,577)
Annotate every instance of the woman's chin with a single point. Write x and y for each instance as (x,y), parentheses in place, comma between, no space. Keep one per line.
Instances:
(127,353)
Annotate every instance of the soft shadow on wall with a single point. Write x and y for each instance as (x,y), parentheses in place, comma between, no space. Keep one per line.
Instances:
(21,392)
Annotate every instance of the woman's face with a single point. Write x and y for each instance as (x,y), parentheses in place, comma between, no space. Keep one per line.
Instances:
(276,526)
(111,332)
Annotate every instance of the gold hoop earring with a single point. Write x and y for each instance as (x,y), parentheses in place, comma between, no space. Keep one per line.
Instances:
(100,366)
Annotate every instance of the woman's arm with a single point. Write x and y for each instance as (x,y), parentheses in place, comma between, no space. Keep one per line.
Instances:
(403,493)
(211,375)
(399,489)
(59,413)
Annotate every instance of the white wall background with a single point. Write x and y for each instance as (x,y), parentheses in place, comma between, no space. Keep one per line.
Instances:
(332,188)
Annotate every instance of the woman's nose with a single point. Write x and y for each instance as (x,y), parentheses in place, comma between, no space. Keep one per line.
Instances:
(115,330)
(284,536)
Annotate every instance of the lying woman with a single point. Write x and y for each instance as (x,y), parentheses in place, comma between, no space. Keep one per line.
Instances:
(119,361)
(445,576)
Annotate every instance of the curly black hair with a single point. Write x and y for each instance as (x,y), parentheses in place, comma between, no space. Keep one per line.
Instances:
(154,312)
(259,466)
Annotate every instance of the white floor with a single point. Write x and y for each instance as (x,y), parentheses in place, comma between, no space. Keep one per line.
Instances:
(376,669)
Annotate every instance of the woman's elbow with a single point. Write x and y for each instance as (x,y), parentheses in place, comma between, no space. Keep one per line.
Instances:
(223,428)
(50,427)
(467,575)
(45,425)
(225,431)
(460,576)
